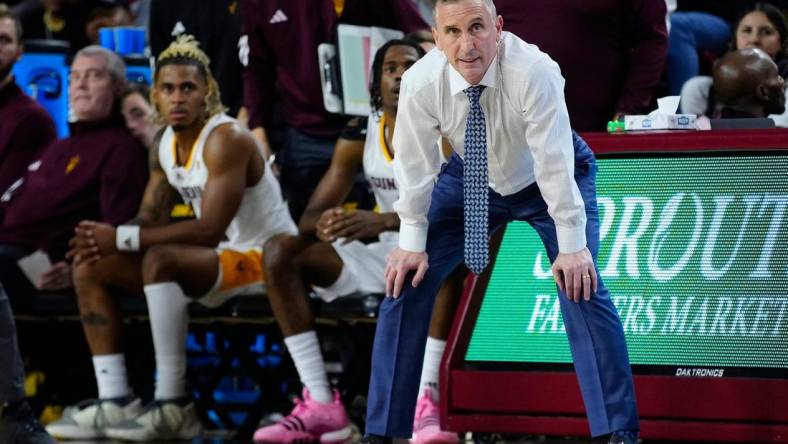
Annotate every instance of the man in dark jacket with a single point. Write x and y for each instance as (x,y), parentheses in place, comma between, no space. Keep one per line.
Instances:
(98,173)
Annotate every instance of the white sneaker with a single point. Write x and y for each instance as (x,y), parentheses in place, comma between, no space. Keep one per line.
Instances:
(90,419)
(159,421)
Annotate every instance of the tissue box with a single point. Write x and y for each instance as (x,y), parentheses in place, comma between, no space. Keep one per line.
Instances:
(660,122)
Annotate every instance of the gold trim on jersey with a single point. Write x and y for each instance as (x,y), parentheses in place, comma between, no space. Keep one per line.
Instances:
(384,146)
(188,164)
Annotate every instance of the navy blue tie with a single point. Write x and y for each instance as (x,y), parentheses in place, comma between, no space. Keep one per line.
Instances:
(475,185)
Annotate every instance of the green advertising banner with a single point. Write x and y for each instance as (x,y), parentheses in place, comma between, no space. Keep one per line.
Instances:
(693,251)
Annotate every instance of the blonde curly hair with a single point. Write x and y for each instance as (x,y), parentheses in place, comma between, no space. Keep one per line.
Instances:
(185,50)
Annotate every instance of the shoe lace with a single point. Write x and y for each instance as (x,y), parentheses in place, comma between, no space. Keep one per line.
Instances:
(100,419)
(156,412)
(426,414)
(422,410)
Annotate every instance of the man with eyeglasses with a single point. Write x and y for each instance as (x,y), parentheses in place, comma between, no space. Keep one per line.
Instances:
(98,173)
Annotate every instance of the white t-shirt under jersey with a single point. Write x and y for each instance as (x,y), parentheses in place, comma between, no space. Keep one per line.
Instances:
(262,213)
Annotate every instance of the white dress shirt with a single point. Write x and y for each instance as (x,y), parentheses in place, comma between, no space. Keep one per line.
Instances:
(528,136)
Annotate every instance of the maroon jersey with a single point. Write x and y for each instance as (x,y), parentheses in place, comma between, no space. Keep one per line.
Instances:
(611,52)
(25,130)
(282,64)
(98,173)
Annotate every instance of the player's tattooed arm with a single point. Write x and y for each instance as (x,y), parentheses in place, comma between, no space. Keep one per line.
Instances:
(159,197)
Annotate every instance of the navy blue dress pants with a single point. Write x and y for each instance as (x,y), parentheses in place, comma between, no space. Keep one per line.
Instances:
(596,337)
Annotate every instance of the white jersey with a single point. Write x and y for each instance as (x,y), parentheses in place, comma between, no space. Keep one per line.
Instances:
(262,213)
(379,171)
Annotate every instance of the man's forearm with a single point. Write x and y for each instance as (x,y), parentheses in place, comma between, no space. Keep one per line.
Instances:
(390,221)
(308,223)
(193,232)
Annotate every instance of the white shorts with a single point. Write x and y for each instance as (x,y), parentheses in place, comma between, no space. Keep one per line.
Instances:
(241,272)
(362,270)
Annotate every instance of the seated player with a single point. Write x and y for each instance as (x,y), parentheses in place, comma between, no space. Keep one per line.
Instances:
(747,84)
(342,265)
(217,167)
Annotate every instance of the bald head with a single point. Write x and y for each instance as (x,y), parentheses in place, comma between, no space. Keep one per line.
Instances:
(747,80)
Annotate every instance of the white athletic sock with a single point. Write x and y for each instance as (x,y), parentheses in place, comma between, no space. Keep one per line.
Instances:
(304,348)
(111,376)
(169,323)
(430,371)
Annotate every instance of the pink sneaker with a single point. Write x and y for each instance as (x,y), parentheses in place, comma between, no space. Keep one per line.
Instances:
(309,421)
(426,424)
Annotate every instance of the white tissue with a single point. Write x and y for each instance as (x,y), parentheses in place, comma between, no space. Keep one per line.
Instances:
(666,105)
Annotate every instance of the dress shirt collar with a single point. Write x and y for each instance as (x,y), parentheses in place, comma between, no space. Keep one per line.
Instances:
(457,82)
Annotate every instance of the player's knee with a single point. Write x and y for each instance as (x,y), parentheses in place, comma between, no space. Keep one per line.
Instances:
(88,274)
(279,255)
(159,264)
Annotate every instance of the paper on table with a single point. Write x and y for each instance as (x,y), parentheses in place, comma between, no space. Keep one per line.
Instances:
(34,266)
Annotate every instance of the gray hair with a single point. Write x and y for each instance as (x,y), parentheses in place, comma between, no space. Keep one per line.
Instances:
(488,3)
(115,65)
(7,13)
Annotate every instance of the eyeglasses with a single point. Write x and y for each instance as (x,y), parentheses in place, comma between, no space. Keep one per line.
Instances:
(91,75)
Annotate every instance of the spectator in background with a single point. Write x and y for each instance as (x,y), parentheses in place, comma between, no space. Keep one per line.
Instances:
(425,9)
(729,10)
(216,24)
(106,14)
(423,38)
(56,19)
(690,32)
(747,84)
(279,51)
(761,26)
(138,113)
(764,26)
(98,173)
(74,21)
(140,11)
(611,53)
(25,127)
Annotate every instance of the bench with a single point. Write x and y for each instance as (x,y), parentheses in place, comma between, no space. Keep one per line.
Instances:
(238,369)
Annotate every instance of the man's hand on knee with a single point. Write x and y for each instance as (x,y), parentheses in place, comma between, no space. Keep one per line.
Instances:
(575,274)
(92,240)
(58,277)
(400,262)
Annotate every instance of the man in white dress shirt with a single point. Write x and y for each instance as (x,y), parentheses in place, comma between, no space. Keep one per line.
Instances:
(499,101)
